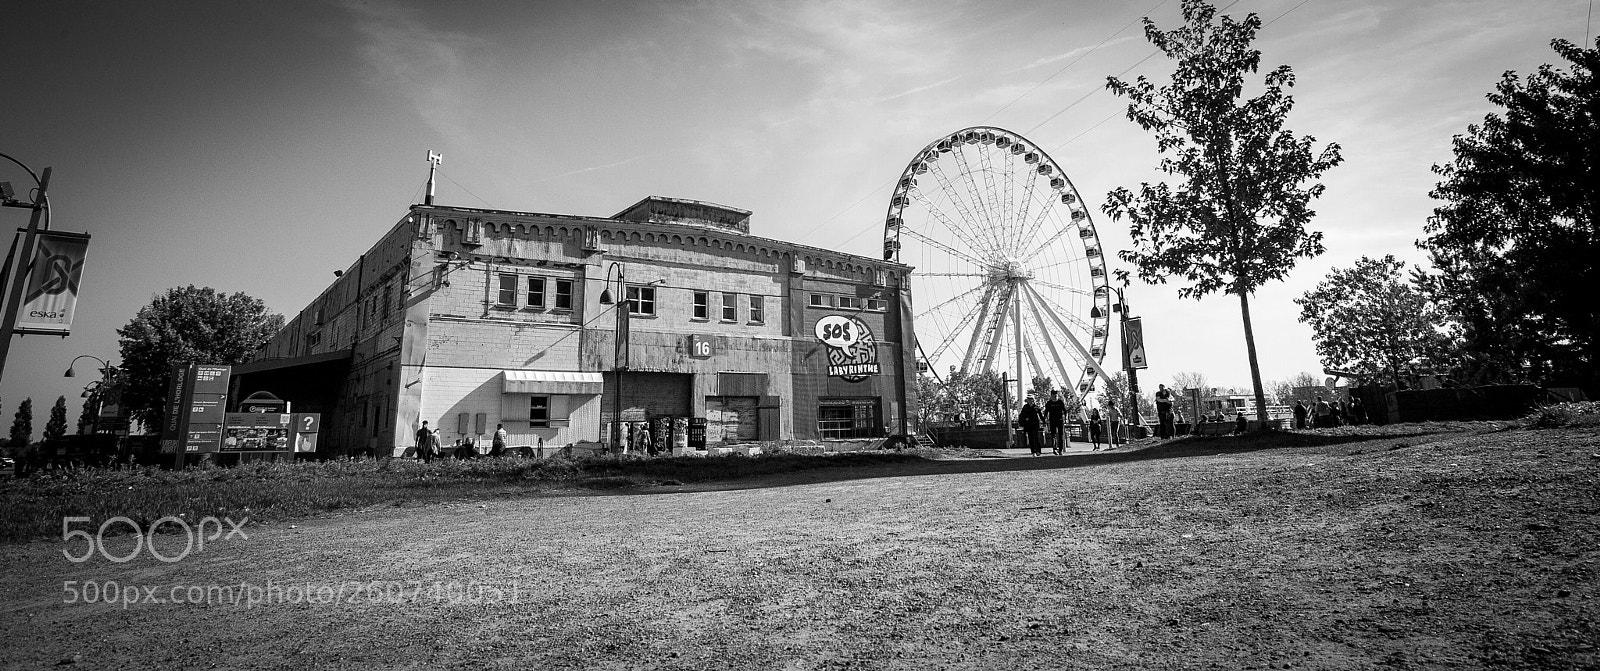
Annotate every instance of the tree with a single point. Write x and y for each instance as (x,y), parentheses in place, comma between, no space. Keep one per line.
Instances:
(1517,241)
(1292,389)
(88,416)
(1238,217)
(22,425)
(1368,319)
(57,426)
(1190,380)
(187,325)
(1117,392)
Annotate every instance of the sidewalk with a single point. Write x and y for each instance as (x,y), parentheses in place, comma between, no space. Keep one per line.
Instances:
(1076,448)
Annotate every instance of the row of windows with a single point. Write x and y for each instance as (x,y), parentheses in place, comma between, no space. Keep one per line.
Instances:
(847,302)
(535,292)
(730,307)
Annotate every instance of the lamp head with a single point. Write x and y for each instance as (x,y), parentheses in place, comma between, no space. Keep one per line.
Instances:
(69,372)
(1094,313)
(605,297)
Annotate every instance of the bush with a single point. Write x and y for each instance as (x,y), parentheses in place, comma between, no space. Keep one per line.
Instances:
(1585,414)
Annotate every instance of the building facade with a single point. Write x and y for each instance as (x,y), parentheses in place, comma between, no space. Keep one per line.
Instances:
(472,318)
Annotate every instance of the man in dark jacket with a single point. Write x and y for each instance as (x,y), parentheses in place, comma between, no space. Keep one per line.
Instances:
(1032,422)
(426,445)
(1055,412)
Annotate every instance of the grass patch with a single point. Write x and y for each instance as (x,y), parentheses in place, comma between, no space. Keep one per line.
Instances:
(269,491)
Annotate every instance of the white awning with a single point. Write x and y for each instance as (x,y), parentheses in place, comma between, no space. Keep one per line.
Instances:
(551,382)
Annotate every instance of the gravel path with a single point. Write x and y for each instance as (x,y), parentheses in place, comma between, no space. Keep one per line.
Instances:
(1444,551)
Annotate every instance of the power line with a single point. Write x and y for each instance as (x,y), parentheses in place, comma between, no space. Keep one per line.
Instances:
(1074,61)
(469,191)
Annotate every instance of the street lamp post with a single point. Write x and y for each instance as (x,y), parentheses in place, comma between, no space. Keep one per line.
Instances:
(106,370)
(619,358)
(41,208)
(1121,307)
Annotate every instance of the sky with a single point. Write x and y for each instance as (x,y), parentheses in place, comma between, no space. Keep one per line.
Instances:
(258,147)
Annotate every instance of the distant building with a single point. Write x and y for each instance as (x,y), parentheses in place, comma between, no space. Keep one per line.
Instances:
(469,318)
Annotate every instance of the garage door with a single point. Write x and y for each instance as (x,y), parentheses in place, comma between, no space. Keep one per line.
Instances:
(731,419)
(649,395)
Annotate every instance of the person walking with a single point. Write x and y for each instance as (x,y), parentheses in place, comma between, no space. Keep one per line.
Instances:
(1114,418)
(1032,423)
(1094,429)
(1300,412)
(427,443)
(1358,413)
(1322,412)
(498,446)
(1164,429)
(1055,412)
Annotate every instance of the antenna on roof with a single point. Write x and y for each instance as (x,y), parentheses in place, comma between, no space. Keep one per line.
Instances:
(434,159)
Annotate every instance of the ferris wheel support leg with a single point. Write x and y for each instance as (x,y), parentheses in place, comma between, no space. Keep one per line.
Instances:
(1074,340)
(1055,353)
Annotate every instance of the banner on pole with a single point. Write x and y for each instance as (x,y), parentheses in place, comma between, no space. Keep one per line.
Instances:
(50,292)
(1133,343)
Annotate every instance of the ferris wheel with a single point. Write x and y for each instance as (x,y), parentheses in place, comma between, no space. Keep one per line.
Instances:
(1009,275)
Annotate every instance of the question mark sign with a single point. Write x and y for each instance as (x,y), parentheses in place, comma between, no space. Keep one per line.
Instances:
(308,423)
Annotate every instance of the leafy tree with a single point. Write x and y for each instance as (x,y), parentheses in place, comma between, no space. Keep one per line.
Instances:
(1368,319)
(187,325)
(1238,217)
(22,425)
(975,396)
(56,427)
(1517,240)
(88,415)
(1117,392)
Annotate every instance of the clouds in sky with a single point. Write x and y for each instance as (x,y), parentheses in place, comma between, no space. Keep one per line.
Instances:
(236,146)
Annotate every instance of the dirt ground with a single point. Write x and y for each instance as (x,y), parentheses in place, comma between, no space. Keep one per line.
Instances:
(1340,552)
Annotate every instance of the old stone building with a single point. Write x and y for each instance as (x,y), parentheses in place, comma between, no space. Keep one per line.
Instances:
(473,318)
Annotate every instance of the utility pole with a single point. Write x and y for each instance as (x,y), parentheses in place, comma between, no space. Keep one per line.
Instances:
(19,271)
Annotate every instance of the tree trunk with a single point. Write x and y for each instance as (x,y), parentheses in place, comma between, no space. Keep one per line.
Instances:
(1255,368)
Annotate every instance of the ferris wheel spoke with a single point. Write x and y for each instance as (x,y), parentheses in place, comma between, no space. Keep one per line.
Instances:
(949,189)
(938,309)
(979,204)
(941,217)
(1060,287)
(1053,238)
(1014,244)
(993,201)
(949,275)
(954,334)
(946,248)
(1058,310)
(1056,264)
(1045,211)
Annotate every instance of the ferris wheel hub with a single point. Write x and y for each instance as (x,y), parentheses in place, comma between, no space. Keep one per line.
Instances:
(1009,270)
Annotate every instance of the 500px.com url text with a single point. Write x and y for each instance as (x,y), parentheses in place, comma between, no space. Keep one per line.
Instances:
(251,595)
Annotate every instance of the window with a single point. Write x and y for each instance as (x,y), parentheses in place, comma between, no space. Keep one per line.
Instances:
(702,305)
(319,316)
(821,301)
(563,294)
(849,302)
(756,316)
(508,290)
(642,300)
(875,305)
(539,411)
(730,307)
(313,338)
(388,300)
(848,418)
(535,292)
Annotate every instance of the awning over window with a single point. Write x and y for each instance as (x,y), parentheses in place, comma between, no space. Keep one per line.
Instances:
(551,382)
